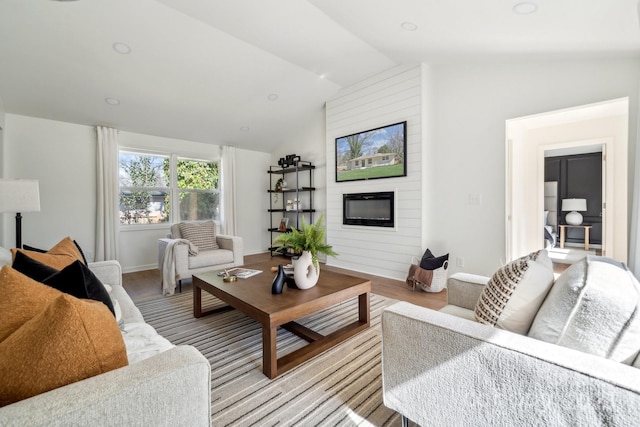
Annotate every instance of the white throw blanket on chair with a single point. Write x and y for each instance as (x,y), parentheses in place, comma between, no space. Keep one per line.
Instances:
(169,275)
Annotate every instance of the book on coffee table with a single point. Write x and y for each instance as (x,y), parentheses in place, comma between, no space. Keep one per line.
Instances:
(243,273)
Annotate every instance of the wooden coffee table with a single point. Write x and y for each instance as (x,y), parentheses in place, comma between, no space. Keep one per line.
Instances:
(253,297)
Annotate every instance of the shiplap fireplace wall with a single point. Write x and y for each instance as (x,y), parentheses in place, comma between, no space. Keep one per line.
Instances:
(394,96)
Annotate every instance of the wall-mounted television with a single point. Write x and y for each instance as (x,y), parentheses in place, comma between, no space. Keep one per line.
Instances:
(372,154)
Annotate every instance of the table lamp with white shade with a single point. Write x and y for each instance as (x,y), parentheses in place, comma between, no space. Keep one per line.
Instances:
(19,195)
(574,217)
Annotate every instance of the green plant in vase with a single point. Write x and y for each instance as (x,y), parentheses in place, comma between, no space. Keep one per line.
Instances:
(308,242)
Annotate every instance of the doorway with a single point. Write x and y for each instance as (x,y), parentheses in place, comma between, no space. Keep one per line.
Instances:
(574,175)
(604,125)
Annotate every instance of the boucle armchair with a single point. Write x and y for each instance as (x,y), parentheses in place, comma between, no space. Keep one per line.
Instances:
(178,260)
(442,368)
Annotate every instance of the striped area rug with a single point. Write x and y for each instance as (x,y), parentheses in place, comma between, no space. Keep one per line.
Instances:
(340,387)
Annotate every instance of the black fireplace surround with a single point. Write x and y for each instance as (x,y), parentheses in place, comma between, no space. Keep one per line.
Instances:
(369,209)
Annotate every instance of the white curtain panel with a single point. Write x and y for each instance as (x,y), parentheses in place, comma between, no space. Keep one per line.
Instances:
(634,235)
(228,190)
(107,212)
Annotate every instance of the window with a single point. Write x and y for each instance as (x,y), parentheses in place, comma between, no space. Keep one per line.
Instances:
(197,190)
(151,183)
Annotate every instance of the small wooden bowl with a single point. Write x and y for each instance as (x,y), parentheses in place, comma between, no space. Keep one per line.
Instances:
(231,278)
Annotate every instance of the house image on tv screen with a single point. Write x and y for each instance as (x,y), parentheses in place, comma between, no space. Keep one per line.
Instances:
(371,160)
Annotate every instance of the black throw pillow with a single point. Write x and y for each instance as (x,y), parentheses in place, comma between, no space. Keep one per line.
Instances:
(32,268)
(32,249)
(75,279)
(433,263)
(427,254)
(78,280)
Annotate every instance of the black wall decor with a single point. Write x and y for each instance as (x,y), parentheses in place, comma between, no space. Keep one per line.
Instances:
(288,160)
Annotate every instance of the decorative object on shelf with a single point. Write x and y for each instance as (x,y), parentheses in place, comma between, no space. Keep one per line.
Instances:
(278,188)
(574,205)
(284,223)
(278,281)
(289,206)
(288,160)
(308,242)
(17,196)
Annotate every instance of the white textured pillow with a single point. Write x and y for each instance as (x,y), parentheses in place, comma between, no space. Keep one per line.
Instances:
(513,295)
(593,307)
(202,234)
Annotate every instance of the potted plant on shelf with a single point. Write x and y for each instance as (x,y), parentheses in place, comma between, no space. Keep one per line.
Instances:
(308,242)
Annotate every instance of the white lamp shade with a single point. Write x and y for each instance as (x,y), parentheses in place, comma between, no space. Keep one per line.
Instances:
(574,204)
(19,195)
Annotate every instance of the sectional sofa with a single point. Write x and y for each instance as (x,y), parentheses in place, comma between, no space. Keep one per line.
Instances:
(162,384)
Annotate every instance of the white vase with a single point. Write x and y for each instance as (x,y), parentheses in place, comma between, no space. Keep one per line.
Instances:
(304,272)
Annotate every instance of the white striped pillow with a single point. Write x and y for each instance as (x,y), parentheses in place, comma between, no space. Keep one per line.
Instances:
(201,234)
(515,292)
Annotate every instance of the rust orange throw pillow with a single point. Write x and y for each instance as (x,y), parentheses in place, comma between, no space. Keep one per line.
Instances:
(69,341)
(21,299)
(58,257)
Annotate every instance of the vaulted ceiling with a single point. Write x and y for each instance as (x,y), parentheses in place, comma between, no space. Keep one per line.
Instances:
(251,73)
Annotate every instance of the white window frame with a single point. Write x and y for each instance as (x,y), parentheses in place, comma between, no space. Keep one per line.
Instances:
(173,189)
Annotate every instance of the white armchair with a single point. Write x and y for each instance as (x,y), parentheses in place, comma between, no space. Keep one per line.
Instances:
(183,265)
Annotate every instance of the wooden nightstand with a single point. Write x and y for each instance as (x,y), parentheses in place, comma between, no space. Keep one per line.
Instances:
(586,228)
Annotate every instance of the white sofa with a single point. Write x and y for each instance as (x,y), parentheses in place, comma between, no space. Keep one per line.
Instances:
(441,368)
(163,385)
(230,254)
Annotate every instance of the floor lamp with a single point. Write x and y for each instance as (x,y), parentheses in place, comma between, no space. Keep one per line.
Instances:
(19,195)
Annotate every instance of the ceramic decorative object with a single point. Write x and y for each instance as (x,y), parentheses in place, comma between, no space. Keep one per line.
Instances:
(305,273)
(278,281)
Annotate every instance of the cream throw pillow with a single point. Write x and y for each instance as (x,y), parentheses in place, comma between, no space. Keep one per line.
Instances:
(202,234)
(515,292)
(594,307)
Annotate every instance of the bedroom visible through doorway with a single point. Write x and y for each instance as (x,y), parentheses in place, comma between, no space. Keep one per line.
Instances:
(528,139)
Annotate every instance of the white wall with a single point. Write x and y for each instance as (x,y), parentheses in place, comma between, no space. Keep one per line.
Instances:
(391,97)
(62,156)
(472,104)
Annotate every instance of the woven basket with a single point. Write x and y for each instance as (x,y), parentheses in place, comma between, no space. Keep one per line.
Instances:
(438,279)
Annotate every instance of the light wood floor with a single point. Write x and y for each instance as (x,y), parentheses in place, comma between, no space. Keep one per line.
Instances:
(144,284)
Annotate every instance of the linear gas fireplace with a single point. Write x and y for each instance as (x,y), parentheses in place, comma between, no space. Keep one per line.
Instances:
(369,209)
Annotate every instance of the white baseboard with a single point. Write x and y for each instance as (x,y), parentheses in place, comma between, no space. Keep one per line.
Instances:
(136,268)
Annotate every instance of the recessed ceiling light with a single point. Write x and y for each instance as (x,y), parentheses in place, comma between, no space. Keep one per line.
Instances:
(245,128)
(122,48)
(525,8)
(409,26)
(322,76)
(272,97)
(112,101)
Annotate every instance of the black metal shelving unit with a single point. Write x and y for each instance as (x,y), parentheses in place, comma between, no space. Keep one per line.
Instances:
(300,187)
